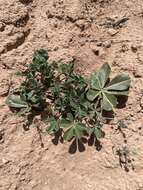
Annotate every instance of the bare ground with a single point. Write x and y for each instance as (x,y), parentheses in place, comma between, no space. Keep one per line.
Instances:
(91,32)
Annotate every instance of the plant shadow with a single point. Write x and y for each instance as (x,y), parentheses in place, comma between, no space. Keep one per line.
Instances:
(93,141)
(80,145)
(122,100)
(30,118)
(57,138)
(108,116)
(77,145)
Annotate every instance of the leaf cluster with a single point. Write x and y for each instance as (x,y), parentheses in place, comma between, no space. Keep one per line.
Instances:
(72,104)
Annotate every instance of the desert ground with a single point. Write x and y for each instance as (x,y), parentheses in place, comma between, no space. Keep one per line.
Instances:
(91,32)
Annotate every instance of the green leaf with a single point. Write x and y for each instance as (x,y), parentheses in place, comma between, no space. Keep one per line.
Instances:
(118,93)
(24,110)
(109,102)
(69,134)
(90,130)
(116,87)
(20,73)
(76,131)
(119,83)
(73,104)
(66,68)
(54,125)
(81,113)
(92,94)
(40,56)
(95,84)
(98,133)
(103,74)
(79,130)
(65,123)
(34,99)
(54,89)
(80,126)
(30,94)
(16,102)
(70,117)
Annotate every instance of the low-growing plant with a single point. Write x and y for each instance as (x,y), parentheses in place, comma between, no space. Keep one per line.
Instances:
(66,101)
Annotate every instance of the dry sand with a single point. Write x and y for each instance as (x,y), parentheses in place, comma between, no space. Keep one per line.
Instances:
(92,32)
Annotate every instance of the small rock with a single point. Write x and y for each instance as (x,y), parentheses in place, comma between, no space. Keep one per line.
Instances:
(98,51)
(107,44)
(139,125)
(99,44)
(49,14)
(2,26)
(17,171)
(55,48)
(82,24)
(33,183)
(138,72)
(138,108)
(5,161)
(82,42)
(124,48)
(2,49)
(134,48)
(112,31)
(9,29)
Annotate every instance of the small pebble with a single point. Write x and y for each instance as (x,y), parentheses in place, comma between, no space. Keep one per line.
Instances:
(98,51)
(112,31)
(107,44)
(2,26)
(99,44)
(134,48)
(5,161)
(80,24)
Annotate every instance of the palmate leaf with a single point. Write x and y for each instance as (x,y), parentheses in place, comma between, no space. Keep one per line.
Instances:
(65,123)
(103,74)
(118,93)
(97,131)
(54,90)
(66,68)
(95,82)
(54,125)
(100,78)
(92,94)
(79,130)
(15,101)
(109,102)
(69,134)
(119,83)
(40,56)
(81,113)
(108,90)
(76,131)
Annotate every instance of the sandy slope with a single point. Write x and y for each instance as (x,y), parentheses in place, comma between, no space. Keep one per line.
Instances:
(89,32)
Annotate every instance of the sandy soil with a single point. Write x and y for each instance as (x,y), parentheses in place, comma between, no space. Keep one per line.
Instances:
(92,32)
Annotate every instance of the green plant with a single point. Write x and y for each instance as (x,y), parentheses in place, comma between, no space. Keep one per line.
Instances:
(125,157)
(105,90)
(66,101)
